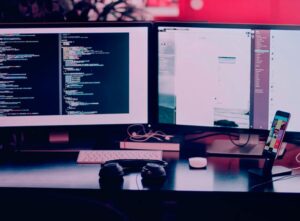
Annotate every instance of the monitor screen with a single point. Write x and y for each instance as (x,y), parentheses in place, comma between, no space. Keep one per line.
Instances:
(74,74)
(236,76)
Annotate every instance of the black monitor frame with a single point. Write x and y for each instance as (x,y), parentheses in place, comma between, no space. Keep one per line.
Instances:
(21,137)
(94,130)
(291,136)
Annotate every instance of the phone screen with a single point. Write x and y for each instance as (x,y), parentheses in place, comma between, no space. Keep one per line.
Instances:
(277,131)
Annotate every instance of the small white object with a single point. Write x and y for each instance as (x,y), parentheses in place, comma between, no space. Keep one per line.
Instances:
(197,162)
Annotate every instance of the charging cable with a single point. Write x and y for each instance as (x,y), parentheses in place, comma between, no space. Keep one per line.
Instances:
(138,132)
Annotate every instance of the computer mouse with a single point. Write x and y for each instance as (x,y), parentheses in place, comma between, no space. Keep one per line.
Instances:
(197,162)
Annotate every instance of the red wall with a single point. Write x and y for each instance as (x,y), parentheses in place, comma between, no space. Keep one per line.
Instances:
(243,11)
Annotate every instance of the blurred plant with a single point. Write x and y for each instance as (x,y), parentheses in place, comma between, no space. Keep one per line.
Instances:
(107,10)
(73,10)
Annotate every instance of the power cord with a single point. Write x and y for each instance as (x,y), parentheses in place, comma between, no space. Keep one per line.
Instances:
(237,144)
(281,178)
(205,136)
(298,161)
(297,158)
(222,133)
(275,180)
(138,132)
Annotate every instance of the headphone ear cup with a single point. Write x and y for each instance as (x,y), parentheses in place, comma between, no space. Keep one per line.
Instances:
(111,175)
(153,174)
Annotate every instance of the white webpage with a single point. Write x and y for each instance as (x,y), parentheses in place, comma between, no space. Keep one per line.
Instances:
(212,76)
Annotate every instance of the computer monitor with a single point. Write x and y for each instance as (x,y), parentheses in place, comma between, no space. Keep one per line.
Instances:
(228,77)
(74,74)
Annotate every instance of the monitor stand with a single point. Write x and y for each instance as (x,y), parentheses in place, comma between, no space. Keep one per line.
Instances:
(59,137)
(252,148)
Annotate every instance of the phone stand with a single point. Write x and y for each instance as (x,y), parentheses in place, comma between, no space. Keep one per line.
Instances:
(269,170)
(273,145)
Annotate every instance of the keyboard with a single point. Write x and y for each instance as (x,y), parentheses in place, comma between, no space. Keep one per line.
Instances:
(101,156)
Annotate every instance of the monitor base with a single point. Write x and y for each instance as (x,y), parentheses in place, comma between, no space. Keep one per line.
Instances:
(59,137)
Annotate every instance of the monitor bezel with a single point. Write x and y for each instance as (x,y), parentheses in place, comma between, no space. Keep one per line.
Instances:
(293,136)
(150,75)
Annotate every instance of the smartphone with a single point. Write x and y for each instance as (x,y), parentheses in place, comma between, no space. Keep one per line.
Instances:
(276,135)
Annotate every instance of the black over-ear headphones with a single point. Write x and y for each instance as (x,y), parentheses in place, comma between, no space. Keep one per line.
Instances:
(152,171)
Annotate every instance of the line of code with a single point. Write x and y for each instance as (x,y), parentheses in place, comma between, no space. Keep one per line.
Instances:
(26,62)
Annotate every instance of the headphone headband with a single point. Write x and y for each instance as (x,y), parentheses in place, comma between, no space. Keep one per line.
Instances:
(136,163)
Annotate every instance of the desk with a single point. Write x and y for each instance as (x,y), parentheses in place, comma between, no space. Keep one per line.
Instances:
(223,191)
